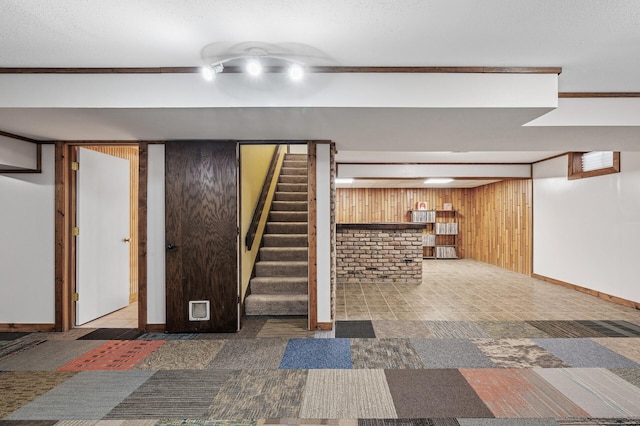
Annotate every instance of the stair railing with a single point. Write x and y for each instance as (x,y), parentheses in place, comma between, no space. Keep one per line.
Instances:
(262,200)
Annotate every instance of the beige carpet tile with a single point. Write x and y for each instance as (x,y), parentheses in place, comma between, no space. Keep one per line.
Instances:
(384,353)
(18,388)
(597,391)
(290,328)
(350,394)
(518,353)
(260,394)
(631,375)
(249,354)
(309,422)
(456,329)
(182,355)
(406,329)
(48,355)
(511,329)
(625,346)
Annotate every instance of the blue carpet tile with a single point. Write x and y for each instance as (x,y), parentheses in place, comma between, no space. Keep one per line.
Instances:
(360,329)
(317,353)
(585,353)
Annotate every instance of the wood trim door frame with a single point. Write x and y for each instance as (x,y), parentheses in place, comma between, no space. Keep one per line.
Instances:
(65,220)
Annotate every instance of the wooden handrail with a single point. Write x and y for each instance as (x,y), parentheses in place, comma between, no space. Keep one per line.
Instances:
(257,212)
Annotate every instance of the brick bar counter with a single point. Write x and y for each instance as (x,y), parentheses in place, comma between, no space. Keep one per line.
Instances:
(379,252)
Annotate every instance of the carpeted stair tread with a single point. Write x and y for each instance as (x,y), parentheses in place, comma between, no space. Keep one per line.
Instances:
(284,253)
(291,196)
(279,285)
(294,163)
(286,227)
(293,171)
(276,268)
(291,187)
(299,179)
(276,304)
(291,216)
(285,240)
(289,206)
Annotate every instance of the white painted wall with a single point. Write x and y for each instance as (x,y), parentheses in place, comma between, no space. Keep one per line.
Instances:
(17,153)
(27,277)
(587,231)
(156,305)
(323,229)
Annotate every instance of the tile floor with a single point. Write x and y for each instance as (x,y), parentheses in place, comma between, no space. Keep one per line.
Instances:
(472,345)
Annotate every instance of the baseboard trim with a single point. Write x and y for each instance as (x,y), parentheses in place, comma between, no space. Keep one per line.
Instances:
(155,328)
(325,326)
(27,328)
(604,296)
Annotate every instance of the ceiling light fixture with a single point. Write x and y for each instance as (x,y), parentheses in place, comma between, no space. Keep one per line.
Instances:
(344,181)
(254,67)
(296,72)
(438,180)
(207,73)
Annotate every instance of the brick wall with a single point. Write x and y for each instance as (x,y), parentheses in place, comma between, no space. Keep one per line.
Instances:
(370,255)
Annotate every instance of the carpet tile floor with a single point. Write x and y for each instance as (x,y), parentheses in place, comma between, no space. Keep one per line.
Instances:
(473,345)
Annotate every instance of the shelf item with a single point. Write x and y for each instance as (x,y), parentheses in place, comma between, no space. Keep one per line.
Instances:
(440,235)
(423,216)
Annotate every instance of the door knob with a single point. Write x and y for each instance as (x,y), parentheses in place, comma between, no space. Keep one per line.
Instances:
(126,240)
(171,246)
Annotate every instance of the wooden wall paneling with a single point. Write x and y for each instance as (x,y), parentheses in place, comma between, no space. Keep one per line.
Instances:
(501,218)
(366,205)
(62,238)
(129,153)
(142,234)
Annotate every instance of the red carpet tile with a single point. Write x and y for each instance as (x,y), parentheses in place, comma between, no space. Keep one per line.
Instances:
(114,355)
(519,393)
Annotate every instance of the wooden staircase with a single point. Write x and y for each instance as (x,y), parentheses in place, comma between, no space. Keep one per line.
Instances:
(281,272)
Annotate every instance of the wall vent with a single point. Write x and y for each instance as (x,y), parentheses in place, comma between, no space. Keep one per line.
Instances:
(198,310)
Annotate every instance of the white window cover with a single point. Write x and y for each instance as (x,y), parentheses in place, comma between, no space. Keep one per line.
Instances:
(596,160)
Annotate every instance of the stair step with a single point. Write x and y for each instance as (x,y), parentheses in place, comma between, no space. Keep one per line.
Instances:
(285,240)
(284,253)
(299,206)
(291,187)
(295,157)
(293,179)
(291,196)
(291,216)
(294,268)
(276,304)
(286,227)
(293,171)
(301,164)
(279,285)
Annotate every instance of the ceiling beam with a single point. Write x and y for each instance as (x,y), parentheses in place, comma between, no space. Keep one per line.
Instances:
(311,69)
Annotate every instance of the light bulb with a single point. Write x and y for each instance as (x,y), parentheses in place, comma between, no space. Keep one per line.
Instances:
(296,72)
(207,73)
(254,67)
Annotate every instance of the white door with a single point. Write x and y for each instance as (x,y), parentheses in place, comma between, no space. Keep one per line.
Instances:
(102,246)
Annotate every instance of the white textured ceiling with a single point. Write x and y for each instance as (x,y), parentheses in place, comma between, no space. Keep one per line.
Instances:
(596,42)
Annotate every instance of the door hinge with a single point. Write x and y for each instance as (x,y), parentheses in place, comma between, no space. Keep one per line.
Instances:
(75,297)
(75,165)
(75,231)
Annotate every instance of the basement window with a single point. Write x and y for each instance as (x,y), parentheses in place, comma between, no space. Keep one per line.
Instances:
(593,163)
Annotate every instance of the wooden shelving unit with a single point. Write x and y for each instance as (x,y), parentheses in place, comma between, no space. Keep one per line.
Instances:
(440,237)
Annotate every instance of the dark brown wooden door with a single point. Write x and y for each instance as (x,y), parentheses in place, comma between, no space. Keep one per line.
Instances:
(201,234)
